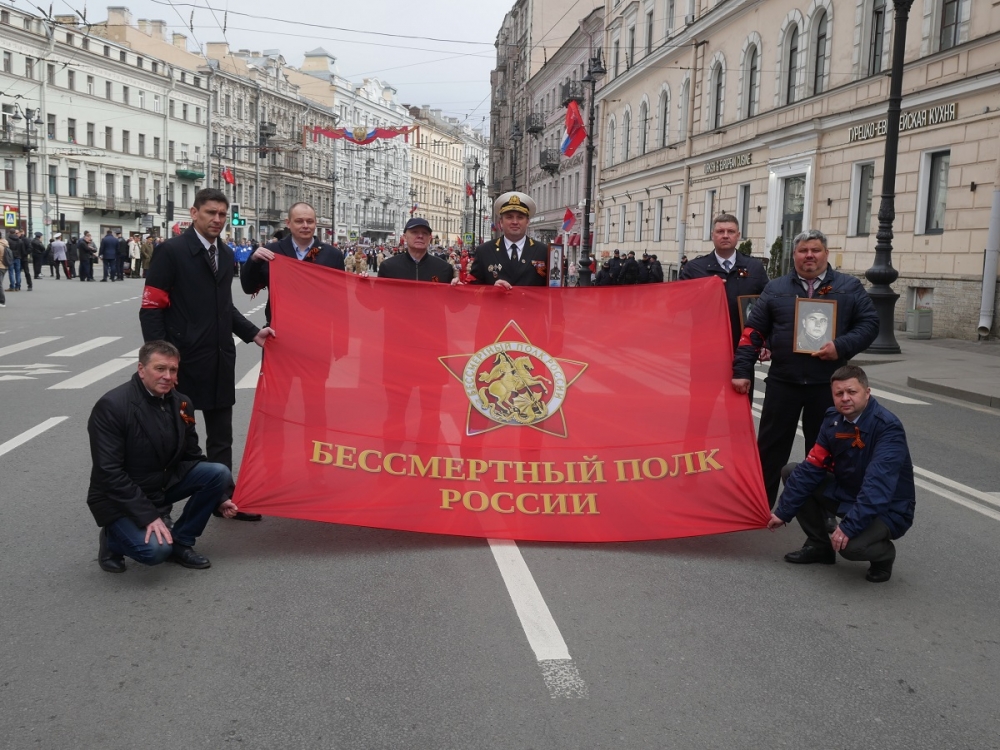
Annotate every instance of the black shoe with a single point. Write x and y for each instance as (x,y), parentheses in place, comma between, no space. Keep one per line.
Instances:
(809,554)
(109,562)
(188,558)
(879,572)
(240,516)
(103,280)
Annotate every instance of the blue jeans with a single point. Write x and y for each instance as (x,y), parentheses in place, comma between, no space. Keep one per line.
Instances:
(14,272)
(206,484)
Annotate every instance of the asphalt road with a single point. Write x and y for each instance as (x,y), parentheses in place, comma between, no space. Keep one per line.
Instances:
(308,635)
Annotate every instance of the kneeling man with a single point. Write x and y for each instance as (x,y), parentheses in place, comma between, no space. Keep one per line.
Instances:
(859,469)
(146,457)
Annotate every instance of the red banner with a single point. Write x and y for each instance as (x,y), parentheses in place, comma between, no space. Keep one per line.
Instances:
(577,415)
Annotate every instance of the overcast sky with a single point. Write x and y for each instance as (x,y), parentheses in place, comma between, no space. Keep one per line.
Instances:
(441,53)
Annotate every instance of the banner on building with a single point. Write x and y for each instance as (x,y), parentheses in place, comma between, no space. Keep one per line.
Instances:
(534,413)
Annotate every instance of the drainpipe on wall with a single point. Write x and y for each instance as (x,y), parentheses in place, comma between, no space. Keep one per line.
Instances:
(688,151)
(990,261)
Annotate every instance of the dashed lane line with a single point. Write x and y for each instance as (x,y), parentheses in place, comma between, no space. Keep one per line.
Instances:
(558,670)
(27,435)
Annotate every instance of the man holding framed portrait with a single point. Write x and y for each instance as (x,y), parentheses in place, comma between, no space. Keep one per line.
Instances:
(814,320)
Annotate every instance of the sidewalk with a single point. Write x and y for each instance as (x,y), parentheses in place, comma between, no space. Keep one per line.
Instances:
(965,370)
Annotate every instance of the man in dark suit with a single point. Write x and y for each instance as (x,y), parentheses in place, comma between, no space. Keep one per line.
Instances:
(300,243)
(108,253)
(742,274)
(512,259)
(146,457)
(188,301)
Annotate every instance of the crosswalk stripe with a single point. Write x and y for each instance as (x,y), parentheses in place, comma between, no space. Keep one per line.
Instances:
(27,435)
(92,375)
(30,343)
(250,379)
(86,346)
(878,393)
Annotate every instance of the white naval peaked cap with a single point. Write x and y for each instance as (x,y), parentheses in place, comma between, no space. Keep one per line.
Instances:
(515,201)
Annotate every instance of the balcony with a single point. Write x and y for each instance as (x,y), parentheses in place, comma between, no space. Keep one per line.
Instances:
(572,92)
(94,202)
(548,160)
(17,140)
(377,226)
(535,123)
(190,170)
(135,206)
(500,96)
(269,215)
(495,188)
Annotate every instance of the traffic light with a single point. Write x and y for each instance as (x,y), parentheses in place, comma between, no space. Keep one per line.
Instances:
(170,210)
(238,221)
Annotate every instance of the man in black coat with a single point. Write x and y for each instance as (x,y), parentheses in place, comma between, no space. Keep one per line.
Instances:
(87,257)
(742,274)
(188,301)
(109,252)
(416,264)
(512,259)
(121,256)
(146,457)
(629,273)
(300,243)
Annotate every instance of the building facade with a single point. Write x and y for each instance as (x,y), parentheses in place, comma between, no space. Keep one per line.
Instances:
(775,111)
(438,174)
(117,138)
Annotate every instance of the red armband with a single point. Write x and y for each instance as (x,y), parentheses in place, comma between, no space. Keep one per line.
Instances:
(154,299)
(745,338)
(820,458)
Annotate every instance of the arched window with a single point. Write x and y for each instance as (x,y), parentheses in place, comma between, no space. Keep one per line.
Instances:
(626,135)
(643,128)
(717,88)
(791,64)
(665,119)
(751,82)
(821,47)
(611,143)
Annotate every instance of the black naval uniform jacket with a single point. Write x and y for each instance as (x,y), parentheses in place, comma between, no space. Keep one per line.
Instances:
(402,266)
(141,446)
(492,262)
(256,274)
(747,276)
(185,304)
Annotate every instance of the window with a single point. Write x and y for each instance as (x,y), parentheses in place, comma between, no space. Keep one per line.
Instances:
(127,187)
(616,58)
(643,128)
(154,66)
(53,179)
(621,223)
(70,39)
(638,221)
(142,145)
(91,182)
(121,56)
(50,74)
(822,53)
(665,119)
(85,44)
(8,62)
(649,33)
(5,16)
(630,59)
(626,135)
(71,183)
(170,151)
(90,134)
(50,126)
(71,130)
(71,80)
(718,88)
(611,143)
(142,100)
(949,24)
(709,212)
(90,85)
(109,139)
(8,175)
(751,82)
(935,191)
(157,106)
(29,68)
(107,51)
(743,208)
(658,221)
(125,95)
(170,107)
(126,141)
(107,89)
(877,40)
(607,221)
(184,111)
(142,188)
(862,192)
(669,15)
(156,147)
(139,62)
(197,115)
(792,64)
(227,104)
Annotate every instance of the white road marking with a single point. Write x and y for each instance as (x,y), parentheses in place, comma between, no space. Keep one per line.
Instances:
(957,499)
(13,348)
(88,377)
(986,497)
(134,354)
(16,377)
(35,431)
(250,379)
(877,392)
(558,670)
(85,346)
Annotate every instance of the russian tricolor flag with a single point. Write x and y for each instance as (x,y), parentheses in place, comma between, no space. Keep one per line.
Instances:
(569,218)
(576,133)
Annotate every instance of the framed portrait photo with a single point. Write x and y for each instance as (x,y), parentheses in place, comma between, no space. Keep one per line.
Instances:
(816,324)
(746,303)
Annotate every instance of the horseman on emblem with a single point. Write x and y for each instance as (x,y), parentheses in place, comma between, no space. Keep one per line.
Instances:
(512,384)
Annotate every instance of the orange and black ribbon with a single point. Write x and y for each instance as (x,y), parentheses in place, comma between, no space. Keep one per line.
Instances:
(854,437)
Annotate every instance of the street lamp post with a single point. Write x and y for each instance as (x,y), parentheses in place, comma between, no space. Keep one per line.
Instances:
(32,119)
(447,221)
(478,226)
(333,204)
(882,274)
(515,138)
(595,71)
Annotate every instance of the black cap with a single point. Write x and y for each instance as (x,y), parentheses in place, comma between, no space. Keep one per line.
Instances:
(416,222)
(617,252)
(38,234)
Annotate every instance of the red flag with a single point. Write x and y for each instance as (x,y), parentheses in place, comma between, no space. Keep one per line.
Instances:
(228,177)
(576,133)
(468,189)
(500,421)
(569,219)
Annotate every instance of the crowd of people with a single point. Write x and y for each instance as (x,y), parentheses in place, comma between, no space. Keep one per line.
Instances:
(853,494)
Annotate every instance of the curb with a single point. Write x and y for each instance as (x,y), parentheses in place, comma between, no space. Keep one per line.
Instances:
(983,399)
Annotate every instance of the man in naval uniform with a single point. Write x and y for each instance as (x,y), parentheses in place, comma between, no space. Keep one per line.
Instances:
(512,259)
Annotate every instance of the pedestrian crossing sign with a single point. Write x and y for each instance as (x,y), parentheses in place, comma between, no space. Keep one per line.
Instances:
(9,216)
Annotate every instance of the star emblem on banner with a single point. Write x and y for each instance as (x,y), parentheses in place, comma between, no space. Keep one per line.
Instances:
(513,383)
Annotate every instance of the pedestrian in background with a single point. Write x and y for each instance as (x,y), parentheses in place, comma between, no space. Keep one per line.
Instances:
(14,268)
(6,259)
(108,252)
(134,257)
(59,256)
(88,254)
(146,254)
(37,255)
(121,256)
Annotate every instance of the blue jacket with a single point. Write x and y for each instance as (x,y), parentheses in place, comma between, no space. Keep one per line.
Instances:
(773,320)
(872,472)
(109,247)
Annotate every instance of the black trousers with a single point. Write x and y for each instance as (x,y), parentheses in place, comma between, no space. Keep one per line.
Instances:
(874,544)
(219,435)
(779,418)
